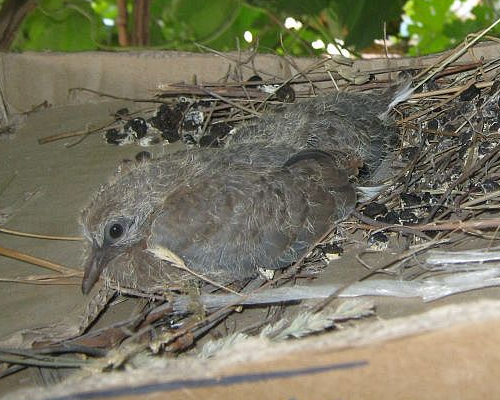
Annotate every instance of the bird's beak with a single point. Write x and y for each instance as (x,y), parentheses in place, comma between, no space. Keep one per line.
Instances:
(94,266)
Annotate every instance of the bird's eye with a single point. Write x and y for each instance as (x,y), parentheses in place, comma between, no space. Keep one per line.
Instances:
(115,231)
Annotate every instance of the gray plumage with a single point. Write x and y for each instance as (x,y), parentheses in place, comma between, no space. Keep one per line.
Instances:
(277,187)
(353,124)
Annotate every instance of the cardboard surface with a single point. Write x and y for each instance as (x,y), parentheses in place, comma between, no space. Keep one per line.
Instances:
(50,76)
(460,361)
(447,364)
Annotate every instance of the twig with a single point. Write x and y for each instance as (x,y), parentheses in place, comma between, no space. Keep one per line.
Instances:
(409,230)
(494,154)
(12,370)
(437,226)
(230,102)
(45,361)
(39,236)
(47,279)
(112,96)
(454,89)
(38,261)
(84,132)
(438,67)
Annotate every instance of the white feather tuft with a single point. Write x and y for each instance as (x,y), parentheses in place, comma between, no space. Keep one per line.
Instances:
(366,193)
(403,94)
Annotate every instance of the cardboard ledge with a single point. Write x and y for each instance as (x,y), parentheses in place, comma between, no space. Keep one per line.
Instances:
(447,353)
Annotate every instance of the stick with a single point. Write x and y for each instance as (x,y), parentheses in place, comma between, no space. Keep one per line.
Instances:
(39,236)
(37,261)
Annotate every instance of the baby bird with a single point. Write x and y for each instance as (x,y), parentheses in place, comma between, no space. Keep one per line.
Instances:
(262,202)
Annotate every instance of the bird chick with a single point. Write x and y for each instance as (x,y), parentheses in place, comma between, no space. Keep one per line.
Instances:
(224,213)
(262,201)
(355,123)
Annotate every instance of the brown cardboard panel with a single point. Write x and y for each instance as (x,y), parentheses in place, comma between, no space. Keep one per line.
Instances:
(28,79)
(461,362)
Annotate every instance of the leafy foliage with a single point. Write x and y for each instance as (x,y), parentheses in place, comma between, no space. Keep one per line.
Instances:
(436,27)
(364,19)
(71,25)
(61,25)
(216,23)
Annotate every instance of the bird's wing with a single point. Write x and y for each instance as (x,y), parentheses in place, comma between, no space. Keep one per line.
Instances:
(224,226)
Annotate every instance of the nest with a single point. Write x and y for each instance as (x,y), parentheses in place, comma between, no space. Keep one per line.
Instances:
(444,190)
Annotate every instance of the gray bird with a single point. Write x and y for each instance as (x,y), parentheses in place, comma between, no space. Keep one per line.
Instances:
(261,202)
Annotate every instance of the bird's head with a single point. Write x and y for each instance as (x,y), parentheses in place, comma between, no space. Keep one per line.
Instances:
(113,224)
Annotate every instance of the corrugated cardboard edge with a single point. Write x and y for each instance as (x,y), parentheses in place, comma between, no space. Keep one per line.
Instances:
(448,352)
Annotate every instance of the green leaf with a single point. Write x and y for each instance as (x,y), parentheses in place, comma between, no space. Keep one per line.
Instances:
(244,20)
(292,8)
(61,26)
(199,20)
(437,28)
(363,20)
